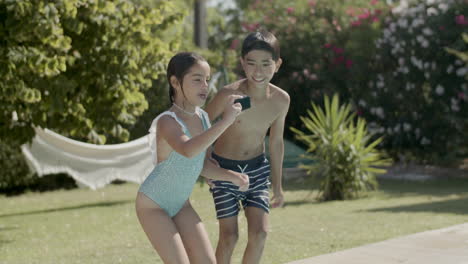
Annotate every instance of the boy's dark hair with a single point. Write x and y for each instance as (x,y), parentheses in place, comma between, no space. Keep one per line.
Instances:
(261,40)
(179,66)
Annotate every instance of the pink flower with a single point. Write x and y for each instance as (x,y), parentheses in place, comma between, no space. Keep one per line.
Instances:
(290,10)
(338,60)
(338,50)
(312,3)
(234,44)
(250,27)
(292,20)
(313,77)
(356,23)
(461,95)
(460,20)
(350,11)
(359,112)
(328,45)
(364,15)
(374,2)
(349,63)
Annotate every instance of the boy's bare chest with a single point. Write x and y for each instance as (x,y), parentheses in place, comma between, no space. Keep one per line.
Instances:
(260,116)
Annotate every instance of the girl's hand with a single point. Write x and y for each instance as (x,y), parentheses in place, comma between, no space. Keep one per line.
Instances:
(242,182)
(210,181)
(232,110)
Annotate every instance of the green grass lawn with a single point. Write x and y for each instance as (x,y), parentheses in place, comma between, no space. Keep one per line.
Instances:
(85,226)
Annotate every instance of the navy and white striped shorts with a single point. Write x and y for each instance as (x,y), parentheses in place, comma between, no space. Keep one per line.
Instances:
(226,195)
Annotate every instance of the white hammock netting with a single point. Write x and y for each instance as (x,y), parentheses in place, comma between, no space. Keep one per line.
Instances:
(89,164)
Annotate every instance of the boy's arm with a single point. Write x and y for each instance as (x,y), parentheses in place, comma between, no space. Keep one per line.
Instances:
(276,157)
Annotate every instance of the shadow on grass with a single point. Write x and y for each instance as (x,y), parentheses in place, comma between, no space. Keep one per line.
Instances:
(7,228)
(6,241)
(454,206)
(103,204)
(436,187)
(301,202)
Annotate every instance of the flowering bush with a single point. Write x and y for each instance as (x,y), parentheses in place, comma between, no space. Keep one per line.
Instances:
(389,59)
(418,95)
(325,45)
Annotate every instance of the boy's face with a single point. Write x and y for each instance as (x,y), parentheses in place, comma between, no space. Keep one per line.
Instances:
(259,67)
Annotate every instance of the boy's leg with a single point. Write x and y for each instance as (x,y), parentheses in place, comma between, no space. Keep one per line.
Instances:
(257,221)
(195,238)
(228,236)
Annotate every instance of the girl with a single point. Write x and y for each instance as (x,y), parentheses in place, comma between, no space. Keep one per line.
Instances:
(182,134)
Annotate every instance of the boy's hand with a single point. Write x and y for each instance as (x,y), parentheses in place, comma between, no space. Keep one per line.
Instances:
(277,200)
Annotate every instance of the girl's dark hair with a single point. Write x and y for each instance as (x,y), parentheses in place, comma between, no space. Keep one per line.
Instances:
(179,66)
(261,40)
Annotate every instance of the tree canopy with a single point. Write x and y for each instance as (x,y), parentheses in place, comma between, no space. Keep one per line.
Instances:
(80,67)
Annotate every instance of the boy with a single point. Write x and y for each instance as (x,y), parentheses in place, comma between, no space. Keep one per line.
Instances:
(241,148)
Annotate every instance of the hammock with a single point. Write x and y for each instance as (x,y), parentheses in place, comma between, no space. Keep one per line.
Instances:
(89,164)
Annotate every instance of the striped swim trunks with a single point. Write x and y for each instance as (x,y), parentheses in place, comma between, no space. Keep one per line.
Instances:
(227,196)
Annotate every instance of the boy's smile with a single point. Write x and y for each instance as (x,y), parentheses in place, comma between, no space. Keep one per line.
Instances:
(259,67)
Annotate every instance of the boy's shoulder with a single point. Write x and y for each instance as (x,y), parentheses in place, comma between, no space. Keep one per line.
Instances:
(279,95)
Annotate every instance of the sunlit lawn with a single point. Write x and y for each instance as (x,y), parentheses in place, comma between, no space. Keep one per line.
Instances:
(85,226)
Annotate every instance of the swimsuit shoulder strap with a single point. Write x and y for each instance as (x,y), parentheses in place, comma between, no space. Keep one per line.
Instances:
(205,118)
(153,133)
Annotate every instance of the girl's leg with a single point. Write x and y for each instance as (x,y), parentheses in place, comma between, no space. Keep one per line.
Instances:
(195,238)
(161,231)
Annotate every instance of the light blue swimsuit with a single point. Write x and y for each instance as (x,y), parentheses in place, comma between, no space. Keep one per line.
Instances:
(171,181)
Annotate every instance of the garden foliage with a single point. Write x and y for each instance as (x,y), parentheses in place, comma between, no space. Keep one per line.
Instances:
(80,68)
(388,58)
(341,149)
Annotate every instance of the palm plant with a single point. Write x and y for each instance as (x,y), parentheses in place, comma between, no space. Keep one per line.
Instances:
(342,150)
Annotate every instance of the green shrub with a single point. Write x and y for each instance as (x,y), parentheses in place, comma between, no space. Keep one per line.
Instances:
(342,150)
(80,68)
(15,172)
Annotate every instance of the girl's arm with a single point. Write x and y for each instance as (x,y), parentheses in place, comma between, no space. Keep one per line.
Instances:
(172,132)
(212,171)
(215,107)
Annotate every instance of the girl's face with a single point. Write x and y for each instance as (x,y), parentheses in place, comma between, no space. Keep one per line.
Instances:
(259,67)
(195,85)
